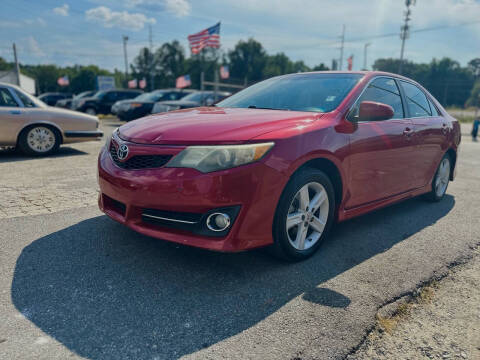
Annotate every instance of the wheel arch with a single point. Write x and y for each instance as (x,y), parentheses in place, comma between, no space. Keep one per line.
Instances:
(331,169)
(453,157)
(49,124)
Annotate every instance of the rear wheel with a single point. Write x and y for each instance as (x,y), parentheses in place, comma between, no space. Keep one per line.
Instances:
(91,111)
(441,179)
(39,140)
(304,215)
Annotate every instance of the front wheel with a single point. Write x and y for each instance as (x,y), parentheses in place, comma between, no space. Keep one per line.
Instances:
(304,215)
(441,179)
(39,141)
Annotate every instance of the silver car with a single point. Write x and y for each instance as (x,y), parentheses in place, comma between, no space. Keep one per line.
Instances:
(38,129)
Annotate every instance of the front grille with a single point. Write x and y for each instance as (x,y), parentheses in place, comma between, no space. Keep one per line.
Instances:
(139,161)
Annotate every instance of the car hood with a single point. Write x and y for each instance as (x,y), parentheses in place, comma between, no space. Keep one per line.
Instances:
(179,103)
(212,125)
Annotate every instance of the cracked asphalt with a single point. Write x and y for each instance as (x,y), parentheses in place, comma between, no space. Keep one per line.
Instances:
(75,284)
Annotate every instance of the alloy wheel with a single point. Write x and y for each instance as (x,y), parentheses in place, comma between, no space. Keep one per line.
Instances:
(41,139)
(442,178)
(307,216)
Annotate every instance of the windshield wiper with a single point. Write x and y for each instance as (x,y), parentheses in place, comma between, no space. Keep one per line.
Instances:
(264,108)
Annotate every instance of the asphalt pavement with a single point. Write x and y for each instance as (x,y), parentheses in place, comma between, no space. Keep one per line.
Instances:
(76,284)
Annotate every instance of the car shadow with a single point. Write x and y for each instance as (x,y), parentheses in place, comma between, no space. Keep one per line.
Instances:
(10,155)
(105,291)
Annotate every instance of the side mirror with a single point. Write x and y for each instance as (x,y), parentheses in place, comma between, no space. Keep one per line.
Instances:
(374,111)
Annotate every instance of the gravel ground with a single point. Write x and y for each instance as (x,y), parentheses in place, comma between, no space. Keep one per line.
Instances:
(446,325)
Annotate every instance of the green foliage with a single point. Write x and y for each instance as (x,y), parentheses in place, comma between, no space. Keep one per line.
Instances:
(445,78)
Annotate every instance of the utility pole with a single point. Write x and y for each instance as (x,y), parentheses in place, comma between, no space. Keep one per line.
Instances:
(404,34)
(150,38)
(17,66)
(365,55)
(125,39)
(342,39)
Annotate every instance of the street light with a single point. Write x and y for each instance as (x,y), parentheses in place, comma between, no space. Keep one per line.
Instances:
(365,55)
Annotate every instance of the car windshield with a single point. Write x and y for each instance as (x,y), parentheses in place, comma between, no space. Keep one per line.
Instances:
(196,97)
(153,96)
(82,95)
(299,92)
(100,94)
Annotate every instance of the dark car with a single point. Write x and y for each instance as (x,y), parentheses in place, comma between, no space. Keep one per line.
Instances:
(199,98)
(102,101)
(51,98)
(142,105)
(67,103)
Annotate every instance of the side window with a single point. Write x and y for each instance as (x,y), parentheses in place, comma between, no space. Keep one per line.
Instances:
(109,97)
(383,90)
(417,102)
(172,96)
(27,102)
(6,99)
(434,109)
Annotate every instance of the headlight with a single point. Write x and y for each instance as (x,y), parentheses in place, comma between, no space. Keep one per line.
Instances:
(214,158)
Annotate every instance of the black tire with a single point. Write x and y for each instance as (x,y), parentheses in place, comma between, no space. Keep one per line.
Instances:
(282,247)
(91,111)
(25,147)
(433,195)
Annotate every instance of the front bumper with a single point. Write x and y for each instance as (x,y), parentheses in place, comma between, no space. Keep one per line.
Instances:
(254,189)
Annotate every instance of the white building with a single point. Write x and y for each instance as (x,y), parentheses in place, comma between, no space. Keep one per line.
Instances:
(26,83)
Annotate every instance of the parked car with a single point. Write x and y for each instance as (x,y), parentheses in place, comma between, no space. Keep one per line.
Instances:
(38,129)
(279,162)
(198,98)
(51,98)
(67,103)
(102,101)
(142,105)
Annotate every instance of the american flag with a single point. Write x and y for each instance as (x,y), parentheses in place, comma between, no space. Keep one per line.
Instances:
(206,38)
(142,83)
(183,82)
(132,84)
(63,81)
(224,72)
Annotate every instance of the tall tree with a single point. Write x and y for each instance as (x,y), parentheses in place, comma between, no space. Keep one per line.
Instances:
(248,60)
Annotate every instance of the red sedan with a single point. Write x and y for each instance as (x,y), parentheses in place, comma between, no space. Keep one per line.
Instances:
(279,162)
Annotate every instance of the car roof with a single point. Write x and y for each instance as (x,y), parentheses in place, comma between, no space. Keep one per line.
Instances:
(367,73)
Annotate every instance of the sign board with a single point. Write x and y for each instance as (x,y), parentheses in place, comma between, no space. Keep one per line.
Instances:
(105,83)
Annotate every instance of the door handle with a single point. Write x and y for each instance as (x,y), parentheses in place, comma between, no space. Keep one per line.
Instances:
(408,132)
(15,112)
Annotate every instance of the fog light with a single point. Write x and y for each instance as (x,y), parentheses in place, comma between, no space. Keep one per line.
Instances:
(218,221)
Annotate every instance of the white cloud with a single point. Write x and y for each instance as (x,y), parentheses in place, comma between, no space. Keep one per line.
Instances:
(21,23)
(33,46)
(178,7)
(61,10)
(123,19)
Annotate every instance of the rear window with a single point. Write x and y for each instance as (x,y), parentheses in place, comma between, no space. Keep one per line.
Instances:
(298,92)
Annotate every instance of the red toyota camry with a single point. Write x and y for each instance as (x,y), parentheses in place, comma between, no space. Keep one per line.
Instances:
(279,162)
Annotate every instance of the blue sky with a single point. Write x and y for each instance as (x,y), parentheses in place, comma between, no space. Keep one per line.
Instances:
(70,32)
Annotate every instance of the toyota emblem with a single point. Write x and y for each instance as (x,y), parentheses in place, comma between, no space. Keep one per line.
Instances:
(122,152)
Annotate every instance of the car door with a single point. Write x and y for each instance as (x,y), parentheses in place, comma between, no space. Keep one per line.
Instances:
(431,133)
(11,118)
(380,151)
